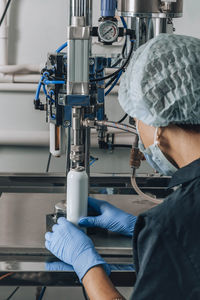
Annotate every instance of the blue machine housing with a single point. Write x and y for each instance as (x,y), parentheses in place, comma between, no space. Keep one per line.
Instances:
(108,8)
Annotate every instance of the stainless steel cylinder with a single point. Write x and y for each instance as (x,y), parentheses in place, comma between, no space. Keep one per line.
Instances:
(79,41)
(80,8)
(148,28)
(77,195)
(77,117)
(150,8)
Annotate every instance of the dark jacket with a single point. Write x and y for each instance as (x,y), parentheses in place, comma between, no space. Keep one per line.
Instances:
(166,243)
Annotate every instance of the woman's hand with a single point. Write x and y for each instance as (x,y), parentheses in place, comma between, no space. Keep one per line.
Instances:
(73,247)
(110,217)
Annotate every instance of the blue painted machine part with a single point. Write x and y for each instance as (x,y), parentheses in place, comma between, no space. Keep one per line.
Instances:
(108,8)
(100,114)
(100,93)
(77,100)
(68,114)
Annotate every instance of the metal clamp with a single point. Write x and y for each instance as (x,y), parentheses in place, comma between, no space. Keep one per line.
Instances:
(78,33)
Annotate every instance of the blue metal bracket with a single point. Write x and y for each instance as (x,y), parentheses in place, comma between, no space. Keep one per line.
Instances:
(77,100)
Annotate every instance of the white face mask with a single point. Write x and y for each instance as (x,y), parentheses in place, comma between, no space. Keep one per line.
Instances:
(155,157)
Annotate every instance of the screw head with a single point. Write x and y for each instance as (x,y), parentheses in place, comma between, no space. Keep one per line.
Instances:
(67,123)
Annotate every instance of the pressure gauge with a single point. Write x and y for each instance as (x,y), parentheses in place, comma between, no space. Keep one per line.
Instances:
(108,32)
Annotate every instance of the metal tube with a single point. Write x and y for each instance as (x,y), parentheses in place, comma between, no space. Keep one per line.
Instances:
(87,151)
(78,8)
(150,8)
(77,125)
(68,162)
(88,12)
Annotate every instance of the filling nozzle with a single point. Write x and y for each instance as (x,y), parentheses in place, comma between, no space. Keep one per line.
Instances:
(77,148)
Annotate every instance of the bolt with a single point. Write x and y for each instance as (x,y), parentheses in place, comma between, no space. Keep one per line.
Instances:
(91,61)
(66,123)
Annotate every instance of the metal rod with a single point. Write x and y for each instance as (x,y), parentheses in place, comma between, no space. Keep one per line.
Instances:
(68,162)
(78,8)
(87,151)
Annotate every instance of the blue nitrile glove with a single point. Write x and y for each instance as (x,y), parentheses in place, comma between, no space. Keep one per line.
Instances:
(58,266)
(110,217)
(74,247)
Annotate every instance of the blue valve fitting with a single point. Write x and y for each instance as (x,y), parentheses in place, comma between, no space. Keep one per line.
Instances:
(108,8)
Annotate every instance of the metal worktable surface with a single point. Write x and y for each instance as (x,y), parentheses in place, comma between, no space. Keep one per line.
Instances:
(23,256)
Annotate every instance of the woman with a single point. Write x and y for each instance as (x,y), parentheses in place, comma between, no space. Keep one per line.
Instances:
(161,90)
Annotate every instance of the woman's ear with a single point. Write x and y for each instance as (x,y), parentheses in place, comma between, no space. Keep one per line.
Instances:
(147,133)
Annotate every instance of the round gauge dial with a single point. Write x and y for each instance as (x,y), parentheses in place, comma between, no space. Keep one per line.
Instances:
(108,31)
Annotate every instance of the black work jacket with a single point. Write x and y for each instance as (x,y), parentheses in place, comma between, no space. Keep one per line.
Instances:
(166,243)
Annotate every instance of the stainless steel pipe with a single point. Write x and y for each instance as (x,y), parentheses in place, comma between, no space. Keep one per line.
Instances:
(150,8)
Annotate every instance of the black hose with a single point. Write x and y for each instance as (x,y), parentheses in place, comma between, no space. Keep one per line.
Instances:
(124,48)
(5,12)
(119,70)
(122,119)
(42,293)
(111,81)
(48,163)
(13,293)
(122,146)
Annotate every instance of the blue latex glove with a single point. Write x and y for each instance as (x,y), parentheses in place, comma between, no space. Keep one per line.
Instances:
(110,217)
(58,266)
(73,247)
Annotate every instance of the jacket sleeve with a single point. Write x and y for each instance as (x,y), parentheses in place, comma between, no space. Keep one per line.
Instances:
(156,274)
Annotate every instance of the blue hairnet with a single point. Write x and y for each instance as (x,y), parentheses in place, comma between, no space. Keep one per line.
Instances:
(162,83)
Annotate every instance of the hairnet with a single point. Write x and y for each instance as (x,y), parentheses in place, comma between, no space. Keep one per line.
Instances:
(162,82)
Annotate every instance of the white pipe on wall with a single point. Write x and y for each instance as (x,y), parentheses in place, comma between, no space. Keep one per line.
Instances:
(41,138)
(18,87)
(24,69)
(3,36)
(20,78)
(26,87)
(24,138)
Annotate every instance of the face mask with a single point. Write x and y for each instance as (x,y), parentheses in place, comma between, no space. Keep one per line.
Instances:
(155,157)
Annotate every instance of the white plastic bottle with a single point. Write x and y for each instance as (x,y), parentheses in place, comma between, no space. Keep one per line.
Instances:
(77,195)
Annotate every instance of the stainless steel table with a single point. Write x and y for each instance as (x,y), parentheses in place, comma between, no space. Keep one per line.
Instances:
(23,256)
(25,201)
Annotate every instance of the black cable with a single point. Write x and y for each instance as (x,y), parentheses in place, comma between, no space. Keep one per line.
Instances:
(113,66)
(119,70)
(5,11)
(84,293)
(110,81)
(124,47)
(13,293)
(116,63)
(42,293)
(48,163)
(121,146)
(122,119)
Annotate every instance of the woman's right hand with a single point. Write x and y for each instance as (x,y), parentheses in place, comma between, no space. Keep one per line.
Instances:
(109,217)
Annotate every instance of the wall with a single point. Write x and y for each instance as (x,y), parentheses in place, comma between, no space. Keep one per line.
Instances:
(36,28)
